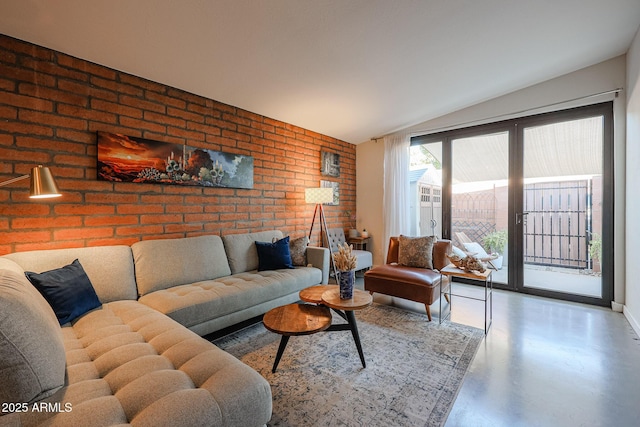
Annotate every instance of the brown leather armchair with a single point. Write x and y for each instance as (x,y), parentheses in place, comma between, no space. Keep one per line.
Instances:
(415,284)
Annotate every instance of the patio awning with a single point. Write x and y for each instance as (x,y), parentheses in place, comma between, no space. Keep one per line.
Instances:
(555,150)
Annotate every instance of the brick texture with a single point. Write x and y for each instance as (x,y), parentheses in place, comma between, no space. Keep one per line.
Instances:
(52,105)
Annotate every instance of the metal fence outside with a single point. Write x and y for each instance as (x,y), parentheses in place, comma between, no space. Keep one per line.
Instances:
(557,229)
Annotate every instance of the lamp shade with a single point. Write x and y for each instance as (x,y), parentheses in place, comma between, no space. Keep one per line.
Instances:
(318,195)
(42,184)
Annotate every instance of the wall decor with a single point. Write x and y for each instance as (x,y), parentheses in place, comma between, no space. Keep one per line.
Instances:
(336,191)
(124,158)
(329,164)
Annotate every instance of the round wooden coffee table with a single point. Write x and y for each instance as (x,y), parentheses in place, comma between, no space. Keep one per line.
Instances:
(295,319)
(313,294)
(361,299)
(329,296)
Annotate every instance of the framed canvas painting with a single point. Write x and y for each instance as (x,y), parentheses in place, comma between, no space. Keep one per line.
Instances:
(124,158)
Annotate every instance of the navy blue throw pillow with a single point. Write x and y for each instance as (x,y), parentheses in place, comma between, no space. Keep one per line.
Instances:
(273,256)
(68,291)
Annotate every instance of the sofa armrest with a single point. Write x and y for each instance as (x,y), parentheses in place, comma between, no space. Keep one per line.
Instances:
(319,258)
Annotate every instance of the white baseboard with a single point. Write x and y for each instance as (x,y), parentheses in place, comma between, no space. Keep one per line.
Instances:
(632,320)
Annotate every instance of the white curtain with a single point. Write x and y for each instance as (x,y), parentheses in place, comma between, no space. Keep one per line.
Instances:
(396,186)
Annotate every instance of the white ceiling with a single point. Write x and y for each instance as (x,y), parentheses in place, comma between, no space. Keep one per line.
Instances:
(351,69)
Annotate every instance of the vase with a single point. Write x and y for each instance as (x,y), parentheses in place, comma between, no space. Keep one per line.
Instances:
(346,280)
(353,233)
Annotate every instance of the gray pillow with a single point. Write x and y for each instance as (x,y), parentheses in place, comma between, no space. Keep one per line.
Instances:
(32,358)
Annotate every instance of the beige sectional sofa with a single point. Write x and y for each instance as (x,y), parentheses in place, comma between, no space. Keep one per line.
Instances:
(139,359)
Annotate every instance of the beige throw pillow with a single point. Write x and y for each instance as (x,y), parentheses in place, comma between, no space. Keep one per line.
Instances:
(298,250)
(416,251)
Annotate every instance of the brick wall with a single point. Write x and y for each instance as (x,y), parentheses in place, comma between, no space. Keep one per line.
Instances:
(52,105)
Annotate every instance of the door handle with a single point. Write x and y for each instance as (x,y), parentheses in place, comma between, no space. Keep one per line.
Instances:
(520,216)
(434,224)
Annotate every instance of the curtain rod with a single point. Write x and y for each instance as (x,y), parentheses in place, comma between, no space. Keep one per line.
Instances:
(500,116)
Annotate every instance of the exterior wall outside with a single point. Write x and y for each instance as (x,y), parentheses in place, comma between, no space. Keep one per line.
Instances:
(52,105)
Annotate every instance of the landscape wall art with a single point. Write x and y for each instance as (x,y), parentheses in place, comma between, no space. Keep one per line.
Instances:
(130,159)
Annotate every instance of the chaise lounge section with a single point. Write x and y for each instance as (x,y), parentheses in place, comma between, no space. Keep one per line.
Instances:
(141,361)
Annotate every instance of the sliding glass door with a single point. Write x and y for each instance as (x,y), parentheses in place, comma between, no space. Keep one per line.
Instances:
(533,197)
(563,197)
(479,198)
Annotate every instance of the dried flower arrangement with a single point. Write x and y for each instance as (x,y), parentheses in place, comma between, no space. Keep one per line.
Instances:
(344,259)
(352,218)
(470,263)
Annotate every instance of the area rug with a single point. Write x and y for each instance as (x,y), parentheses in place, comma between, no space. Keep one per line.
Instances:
(414,371)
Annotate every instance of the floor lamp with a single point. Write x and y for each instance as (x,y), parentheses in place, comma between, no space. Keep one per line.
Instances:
(318,196)
(42,186)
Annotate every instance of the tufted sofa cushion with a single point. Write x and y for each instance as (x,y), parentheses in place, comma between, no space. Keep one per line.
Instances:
(161,264)
(193,305)
(128,364)
(32,358)
(110,268)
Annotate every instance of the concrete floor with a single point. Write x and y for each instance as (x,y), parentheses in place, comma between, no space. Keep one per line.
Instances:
(566,280)
(545,363)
